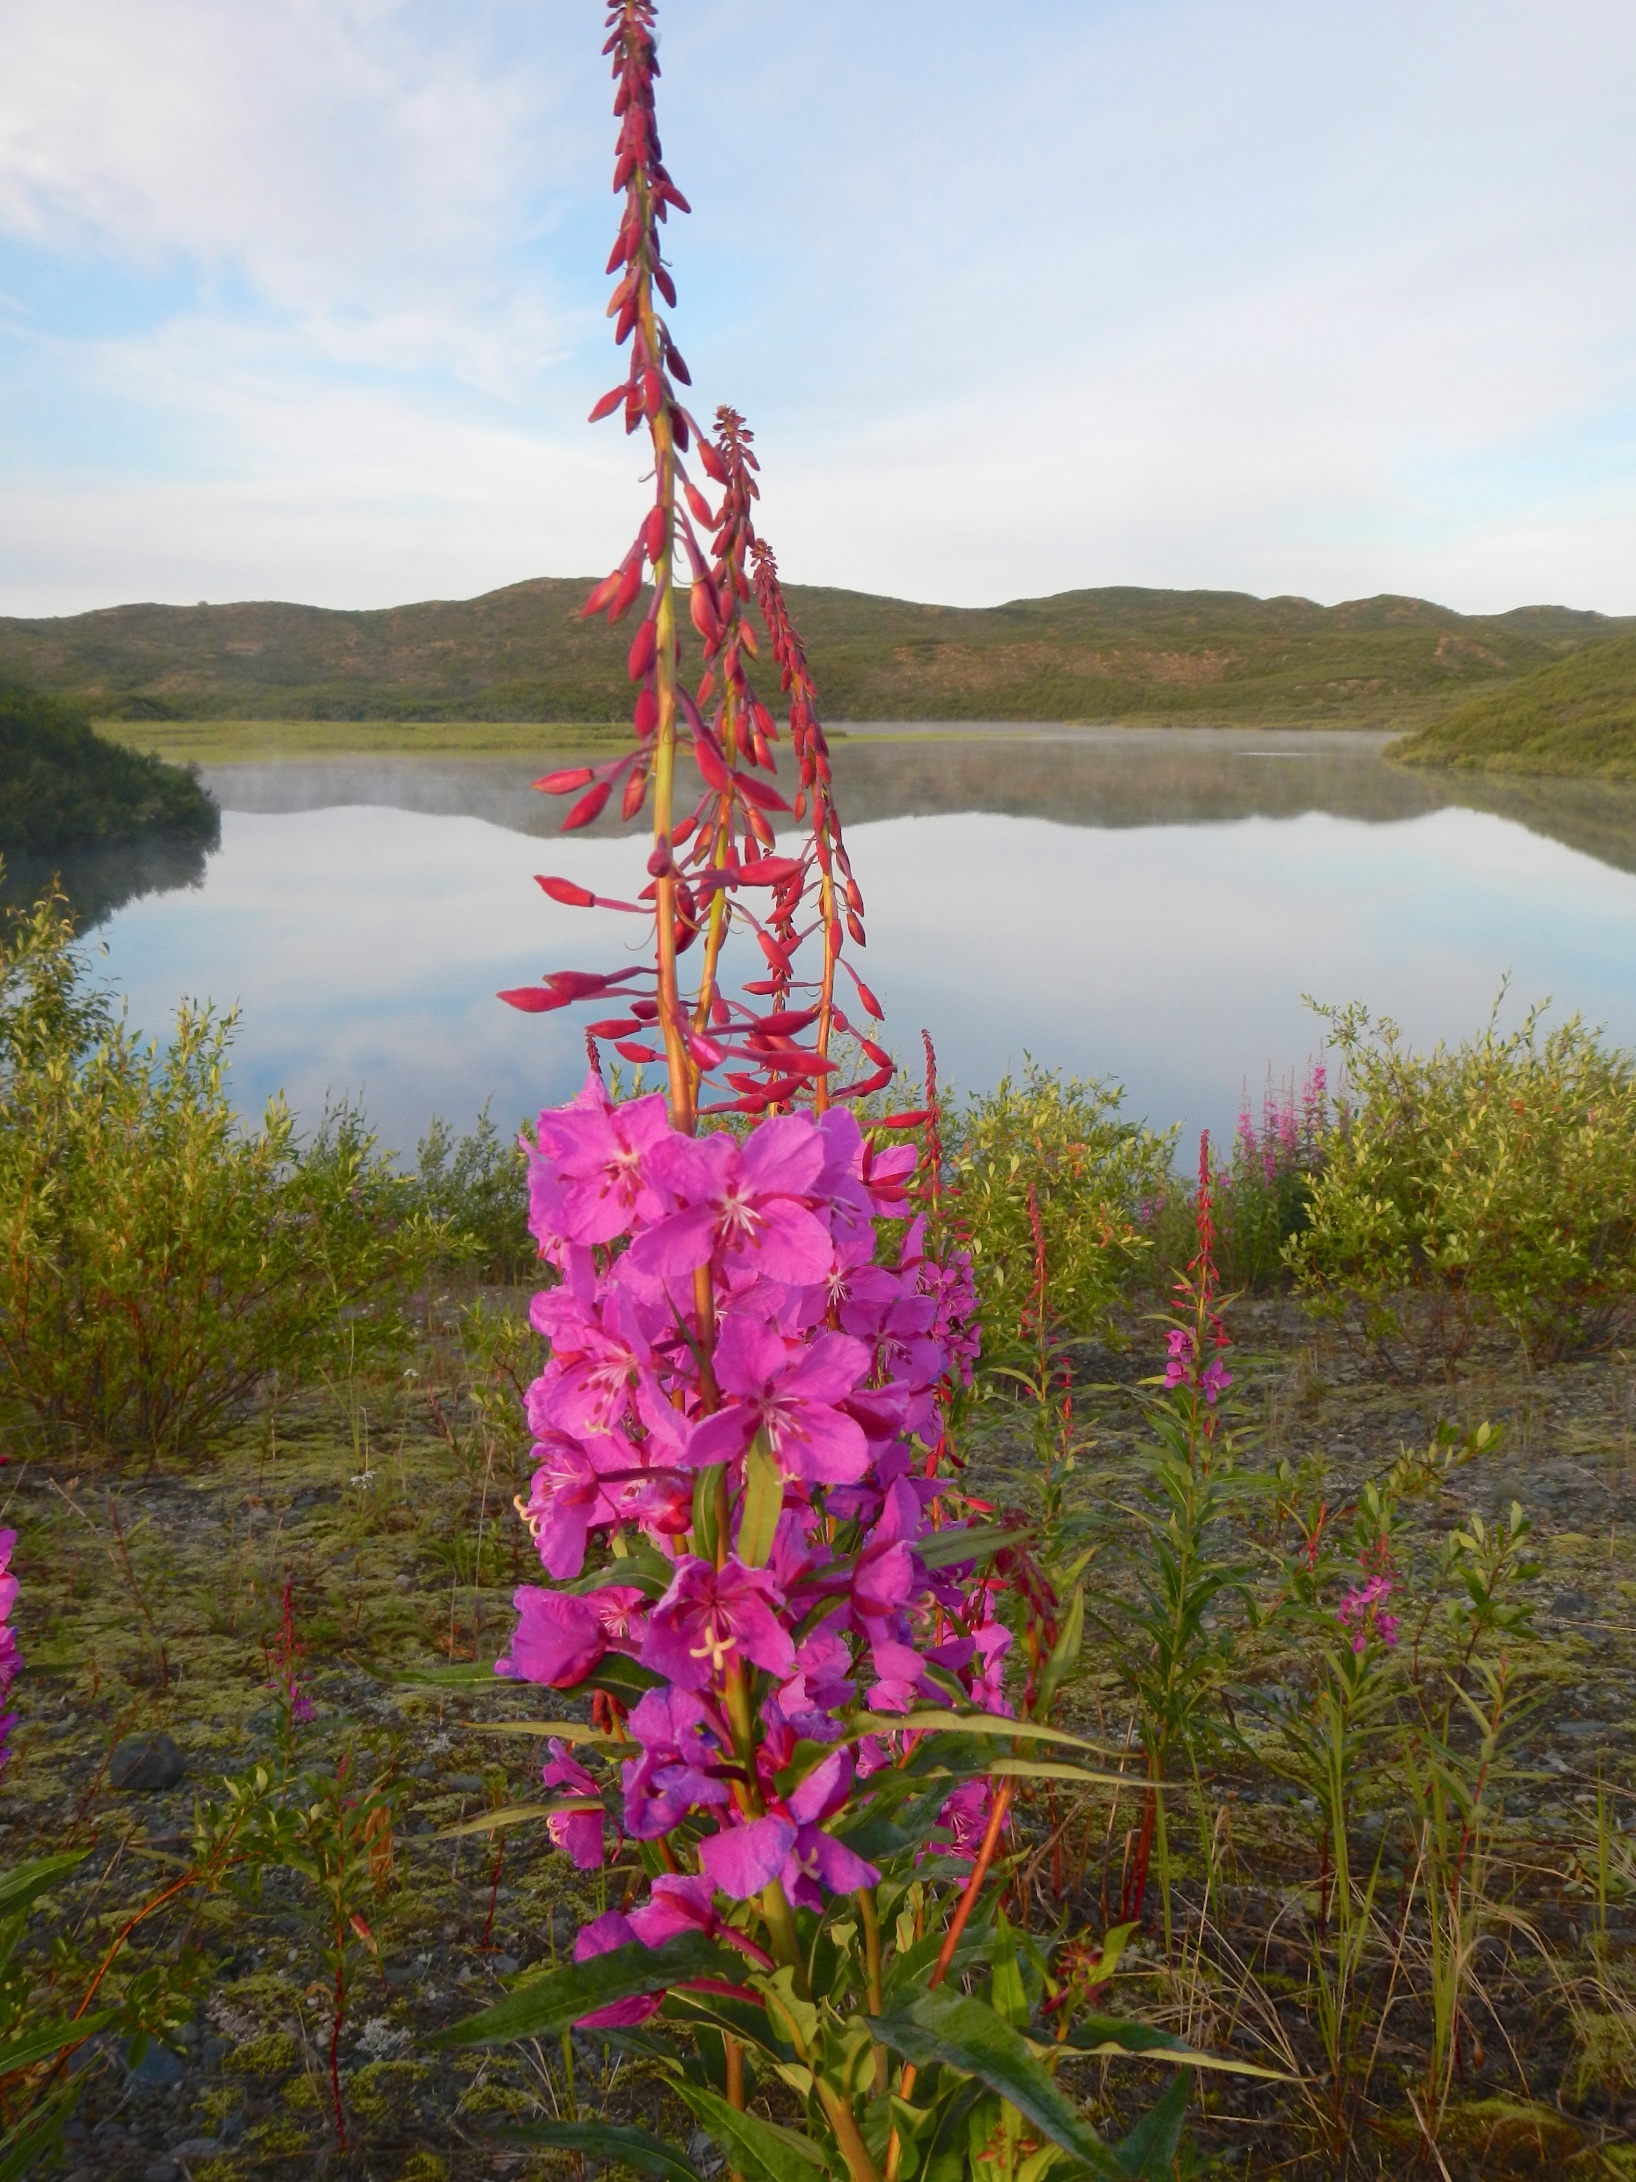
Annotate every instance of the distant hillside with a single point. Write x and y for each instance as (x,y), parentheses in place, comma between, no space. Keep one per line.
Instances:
(1577,715)
(1192,657)
(64,787)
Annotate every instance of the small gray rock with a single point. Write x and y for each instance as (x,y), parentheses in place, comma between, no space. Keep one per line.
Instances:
(161,2170)
(465,1784)
(147,1762)
(197,2148)
(503,1965)
(157,2069)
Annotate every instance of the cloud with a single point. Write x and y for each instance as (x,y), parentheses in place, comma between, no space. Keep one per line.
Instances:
(307,297)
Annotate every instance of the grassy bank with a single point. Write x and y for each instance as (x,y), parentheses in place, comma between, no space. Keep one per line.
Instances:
(1163,657)
(219,742)
(1575,716)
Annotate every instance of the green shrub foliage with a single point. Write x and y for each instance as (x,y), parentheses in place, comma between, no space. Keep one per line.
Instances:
(157,1259)
(476,1187)
(1094,1177)
(1491,1182)
(63,787)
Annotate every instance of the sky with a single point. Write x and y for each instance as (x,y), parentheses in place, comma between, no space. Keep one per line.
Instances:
(304,298)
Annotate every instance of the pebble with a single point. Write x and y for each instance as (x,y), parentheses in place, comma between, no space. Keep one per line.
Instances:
(161,2170)
(157,2069)
(197,2148)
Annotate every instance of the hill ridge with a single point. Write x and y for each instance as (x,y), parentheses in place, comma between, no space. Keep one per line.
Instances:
(1103,653)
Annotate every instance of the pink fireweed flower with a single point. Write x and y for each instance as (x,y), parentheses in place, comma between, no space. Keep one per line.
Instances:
(1179,1341)
(743,1203)
(1363,1612)
(1214,1379)
(578,1831)
(790,1394)
(559,1638)
(588,1180)
(710,1618)
(684,1756)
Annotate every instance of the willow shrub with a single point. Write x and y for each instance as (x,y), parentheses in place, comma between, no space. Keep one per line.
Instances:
(1095,1180)
(1494,1182)
(157,1259)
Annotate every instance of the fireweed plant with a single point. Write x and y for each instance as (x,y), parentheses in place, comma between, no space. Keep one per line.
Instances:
(11,1659)
(800,1752)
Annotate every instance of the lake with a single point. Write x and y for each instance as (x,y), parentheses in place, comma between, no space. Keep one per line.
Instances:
(1144,905)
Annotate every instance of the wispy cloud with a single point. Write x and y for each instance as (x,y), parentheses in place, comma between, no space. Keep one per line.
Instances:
(305,298)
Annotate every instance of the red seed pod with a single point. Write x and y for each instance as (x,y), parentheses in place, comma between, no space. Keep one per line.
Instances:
(751,645)
(646,716)
(643,646)
(763,756)
(678,367)
(855,927)
(881,1058)
(614,1026)
(758,711)
(627,322)
(608,404)
(654,529)
(867,997)
(624,168)
(532,999)
(720,1013)
(854,896)
(666,287)
(618,254)
(564,890)
(565,782)
(668,192)
(713,464)
(589,805)
(636,790)
(710,762)
(697,502)
(632,1052)
(678,424)
(761,829)
(624,597)
(770,871)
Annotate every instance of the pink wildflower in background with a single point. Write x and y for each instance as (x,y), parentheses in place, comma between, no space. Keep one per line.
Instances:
(1363,1611)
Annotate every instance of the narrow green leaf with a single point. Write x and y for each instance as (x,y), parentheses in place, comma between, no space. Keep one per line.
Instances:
(41,2040)
(967,1723)
(762,1505)
(705,1487)
(760,2151)
(27,2141)
(19,1887)
(1108,2034)
(517,1814)
(556,2001)
(565,1731)
(1148,2154)
(1064,1653)
(946,2028)
(1032,1769)
(603,2140)
(944,1548)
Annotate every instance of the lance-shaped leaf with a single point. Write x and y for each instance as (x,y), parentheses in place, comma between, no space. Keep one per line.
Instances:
(760,2151)
(548,2005)
(762,1505)
(945,1548)
(1064,1653)
(19,1887)
(1108,2034)
(944,2027)
(41,2040)
(517,1814)
(602,2140)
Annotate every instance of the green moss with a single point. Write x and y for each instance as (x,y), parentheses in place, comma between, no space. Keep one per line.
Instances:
(269,2055)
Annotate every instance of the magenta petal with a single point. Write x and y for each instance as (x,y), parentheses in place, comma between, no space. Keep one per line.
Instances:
(841,1869)
(580,1834)
(721,1438)
(822,1445)
(744,1859)
(558,1639)
(677,1246)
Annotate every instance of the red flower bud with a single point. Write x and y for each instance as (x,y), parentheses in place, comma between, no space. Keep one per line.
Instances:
(712,462)
(654,530)
(667,288)
(590,804)
(564,890)
(532,999)
(646,716)
(697,502)
(636,789)
(608,404)
(643,646)
(565,782)
(630,582)
(855,927)
(632,1052)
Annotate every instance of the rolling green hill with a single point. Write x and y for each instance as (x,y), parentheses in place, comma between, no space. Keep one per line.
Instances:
(1167,657)
(1577,715)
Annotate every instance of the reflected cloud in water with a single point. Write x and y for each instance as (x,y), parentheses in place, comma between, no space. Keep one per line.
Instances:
(1144,905)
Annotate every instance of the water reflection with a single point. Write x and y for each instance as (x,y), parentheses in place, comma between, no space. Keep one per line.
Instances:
(1150,906)
(1101,777)
(100,882)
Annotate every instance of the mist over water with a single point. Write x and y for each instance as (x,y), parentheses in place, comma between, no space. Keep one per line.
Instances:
(1148,906)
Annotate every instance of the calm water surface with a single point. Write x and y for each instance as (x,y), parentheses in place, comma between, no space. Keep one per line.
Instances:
(1147,906)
